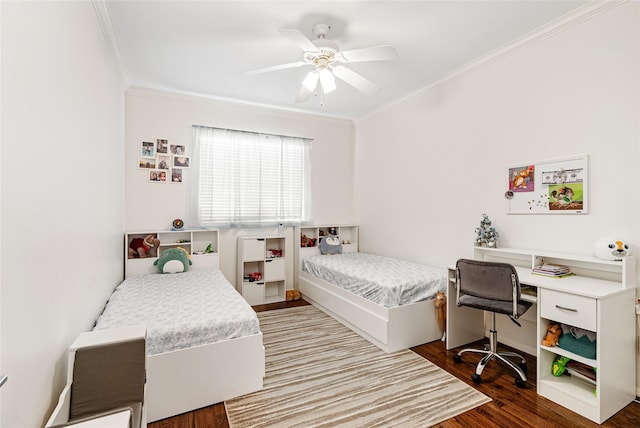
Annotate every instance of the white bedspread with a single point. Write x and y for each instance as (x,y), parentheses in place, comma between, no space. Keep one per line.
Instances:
(181,310)
(386,281)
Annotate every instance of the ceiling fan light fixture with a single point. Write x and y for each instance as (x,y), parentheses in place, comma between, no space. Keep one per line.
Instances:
(311,81)
(327,81)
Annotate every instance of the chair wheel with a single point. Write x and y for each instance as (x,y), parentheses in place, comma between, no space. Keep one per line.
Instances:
(476,378)
(457,358)
(520,383)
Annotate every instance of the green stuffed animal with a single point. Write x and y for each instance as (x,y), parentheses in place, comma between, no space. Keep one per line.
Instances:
(559,365)
(173,260)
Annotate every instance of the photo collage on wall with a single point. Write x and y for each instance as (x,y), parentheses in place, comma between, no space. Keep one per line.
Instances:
(164,162)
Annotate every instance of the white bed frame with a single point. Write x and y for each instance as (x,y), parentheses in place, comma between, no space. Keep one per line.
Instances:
(188,379)
(390,329)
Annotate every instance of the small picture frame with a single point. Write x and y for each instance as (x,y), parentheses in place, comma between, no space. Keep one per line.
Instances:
(148,149)
(164,162)
(176,175)
(162,146)
(147,163)
(158,176)
(178,149)
(181,162)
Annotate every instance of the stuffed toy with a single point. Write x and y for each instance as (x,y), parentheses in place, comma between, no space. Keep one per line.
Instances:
(330,245)
(554,331)
(173,260)
(141,247)
(307,242)
(608,248)
(441,311)
(559,365)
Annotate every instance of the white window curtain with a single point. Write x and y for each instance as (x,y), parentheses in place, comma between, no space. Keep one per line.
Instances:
(246,179)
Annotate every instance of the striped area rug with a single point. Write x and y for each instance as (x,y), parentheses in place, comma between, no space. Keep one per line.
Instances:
(321,374)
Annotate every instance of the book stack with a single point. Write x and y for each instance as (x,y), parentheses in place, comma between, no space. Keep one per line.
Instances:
(581,371)
(552,270)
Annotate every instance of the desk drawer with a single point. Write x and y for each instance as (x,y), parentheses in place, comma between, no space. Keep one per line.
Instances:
(567,308)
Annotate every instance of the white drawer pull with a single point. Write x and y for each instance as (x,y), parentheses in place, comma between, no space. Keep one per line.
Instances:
(566,309)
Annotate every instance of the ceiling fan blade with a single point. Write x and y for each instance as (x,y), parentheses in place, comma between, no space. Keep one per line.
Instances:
(275,68)
(304,94)
(356,80)
(375,53)
(299,39)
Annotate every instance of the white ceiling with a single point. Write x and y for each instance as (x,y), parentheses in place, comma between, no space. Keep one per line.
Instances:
(203,47)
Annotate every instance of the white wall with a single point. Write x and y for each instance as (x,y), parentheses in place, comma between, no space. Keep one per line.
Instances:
(62,205)
(153,206)
(575,92)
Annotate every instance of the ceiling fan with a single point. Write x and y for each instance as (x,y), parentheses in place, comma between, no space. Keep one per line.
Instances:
(328,62)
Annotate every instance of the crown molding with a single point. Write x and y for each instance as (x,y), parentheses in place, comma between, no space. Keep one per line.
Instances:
(230,104)
(563,23)
(106,24)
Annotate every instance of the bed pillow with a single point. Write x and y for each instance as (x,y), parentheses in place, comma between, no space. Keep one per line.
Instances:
(173,260)
(330,245)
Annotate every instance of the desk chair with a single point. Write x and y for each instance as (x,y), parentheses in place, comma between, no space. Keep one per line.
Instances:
(492,287)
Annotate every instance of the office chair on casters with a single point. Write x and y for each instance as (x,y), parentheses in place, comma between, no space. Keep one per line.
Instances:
(493,287)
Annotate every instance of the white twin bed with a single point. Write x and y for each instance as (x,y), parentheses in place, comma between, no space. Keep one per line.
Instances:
(389,302)
(204,343)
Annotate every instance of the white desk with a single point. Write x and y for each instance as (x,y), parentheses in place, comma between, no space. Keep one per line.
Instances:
(599,298)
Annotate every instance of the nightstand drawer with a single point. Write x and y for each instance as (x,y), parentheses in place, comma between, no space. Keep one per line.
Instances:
(578,311)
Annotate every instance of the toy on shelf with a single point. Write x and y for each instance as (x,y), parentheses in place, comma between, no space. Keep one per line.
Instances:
(274,253)
(252,277)
(307,242)
(141,247)
(554,331)
(177,224)
(559,365)
(608,248)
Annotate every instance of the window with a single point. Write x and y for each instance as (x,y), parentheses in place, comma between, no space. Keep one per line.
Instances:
(247,179)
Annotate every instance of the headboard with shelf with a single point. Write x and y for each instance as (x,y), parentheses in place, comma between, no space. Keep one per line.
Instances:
(347,234)
(202,245)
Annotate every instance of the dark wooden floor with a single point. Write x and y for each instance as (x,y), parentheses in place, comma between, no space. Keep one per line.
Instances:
(510,406)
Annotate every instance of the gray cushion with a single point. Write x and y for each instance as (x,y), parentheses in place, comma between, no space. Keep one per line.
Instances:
(497,306)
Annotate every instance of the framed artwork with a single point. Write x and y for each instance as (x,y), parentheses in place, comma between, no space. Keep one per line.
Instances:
(558,186)
(176,175)
(164,162)
(147,163)
(154,176)
(181,162)
(178,149)
(162,146)
(148,149)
